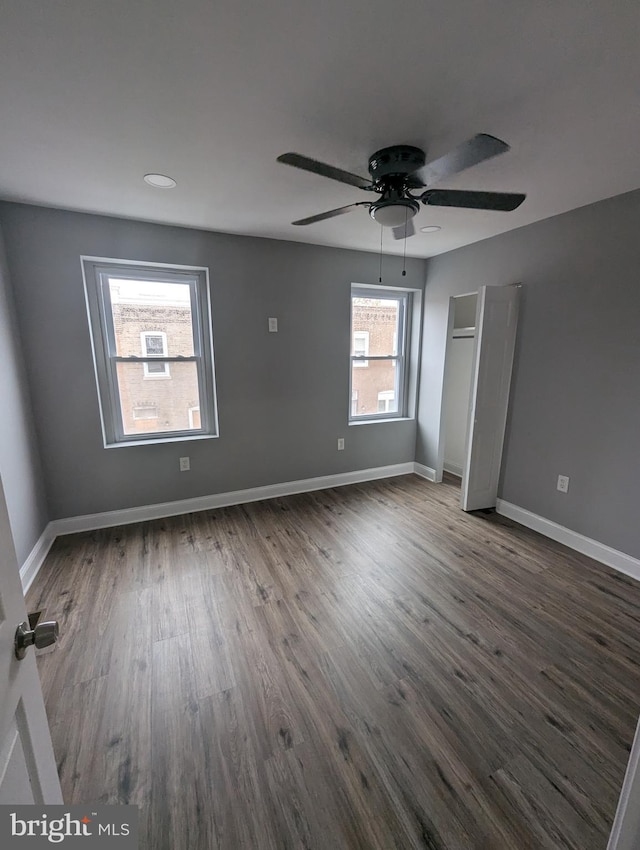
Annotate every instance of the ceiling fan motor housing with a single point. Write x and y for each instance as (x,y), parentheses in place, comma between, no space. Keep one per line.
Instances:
(396,161)
(390,169)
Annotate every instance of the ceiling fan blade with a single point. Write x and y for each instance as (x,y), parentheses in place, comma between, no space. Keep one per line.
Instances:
(500,201)
(404,231)
(469,153)
(297,160)
(331,214)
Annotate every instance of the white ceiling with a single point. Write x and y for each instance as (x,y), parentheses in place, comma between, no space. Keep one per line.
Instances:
(96,93)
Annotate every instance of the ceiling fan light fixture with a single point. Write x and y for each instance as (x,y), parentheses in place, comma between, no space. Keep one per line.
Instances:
(394,213)
(430,228)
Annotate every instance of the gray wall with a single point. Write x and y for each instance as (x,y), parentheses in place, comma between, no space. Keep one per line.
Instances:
(575,400)
(283,398)
(19,460)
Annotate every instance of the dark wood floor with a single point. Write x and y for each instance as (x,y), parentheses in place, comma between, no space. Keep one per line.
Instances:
(359,668)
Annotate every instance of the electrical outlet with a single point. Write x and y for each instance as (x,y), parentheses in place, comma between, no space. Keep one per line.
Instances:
(563,483)
(273,326)
(340,444)
(185,464)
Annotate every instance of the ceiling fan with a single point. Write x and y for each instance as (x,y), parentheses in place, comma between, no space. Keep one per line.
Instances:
(397,170)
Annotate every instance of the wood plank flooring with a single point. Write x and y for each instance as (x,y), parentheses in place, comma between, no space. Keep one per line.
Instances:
(364,668)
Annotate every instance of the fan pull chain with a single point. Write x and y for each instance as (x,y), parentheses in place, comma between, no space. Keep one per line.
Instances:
(404,252)
(380,278)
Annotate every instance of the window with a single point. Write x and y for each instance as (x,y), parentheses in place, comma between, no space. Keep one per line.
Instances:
(360,347)
(379,334)
(154,344)
(151,335)
(386,401)
(147,412)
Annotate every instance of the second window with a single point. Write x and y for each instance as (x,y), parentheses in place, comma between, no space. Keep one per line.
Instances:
(378,353)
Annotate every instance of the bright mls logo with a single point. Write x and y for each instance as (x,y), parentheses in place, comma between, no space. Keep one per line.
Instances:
(54,829)
(34,827)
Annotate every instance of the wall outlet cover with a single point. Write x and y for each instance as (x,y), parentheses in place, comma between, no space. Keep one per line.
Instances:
(340,444)
(185,464)
(273,326)
(563,483)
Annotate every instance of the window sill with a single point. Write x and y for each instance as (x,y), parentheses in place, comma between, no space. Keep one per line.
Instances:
(381,420)
(154,442)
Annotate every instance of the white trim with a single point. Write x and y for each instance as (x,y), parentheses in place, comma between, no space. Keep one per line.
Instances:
(380,419)
(388,286)
(586,545)
(89,522)
(402,379)
(625,829)
(453,469)
(605,554)
(159,266)
(424,471)
(35,559)
(102,334)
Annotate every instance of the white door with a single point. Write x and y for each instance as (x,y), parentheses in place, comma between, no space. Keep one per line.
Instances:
(496,321)
(27,765)
(625,833)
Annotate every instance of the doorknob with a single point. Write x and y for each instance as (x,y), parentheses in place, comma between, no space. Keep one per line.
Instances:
(43,635)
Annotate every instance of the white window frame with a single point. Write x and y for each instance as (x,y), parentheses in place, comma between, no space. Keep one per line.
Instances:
(96,274)
(145,353)
(145,417)
(364,336)
(354,402)
(404,299)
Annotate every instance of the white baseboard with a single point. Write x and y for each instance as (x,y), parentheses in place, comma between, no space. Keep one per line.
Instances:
(90,522)
(599,551)
(29,570)
(453,469)
(424,471)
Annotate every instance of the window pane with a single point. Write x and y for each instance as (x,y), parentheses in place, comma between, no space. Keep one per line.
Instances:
(374,386)
(154,345)
(152,369)
(376,321)
(151,318)
(172,401)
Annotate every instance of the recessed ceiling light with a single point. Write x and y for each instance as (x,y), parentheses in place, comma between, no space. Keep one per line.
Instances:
(160,181)
(431,228)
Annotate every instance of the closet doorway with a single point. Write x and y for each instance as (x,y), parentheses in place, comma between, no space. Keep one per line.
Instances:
(457,381)
(477,377)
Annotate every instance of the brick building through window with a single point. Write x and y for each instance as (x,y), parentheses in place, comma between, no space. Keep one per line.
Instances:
(374,332)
